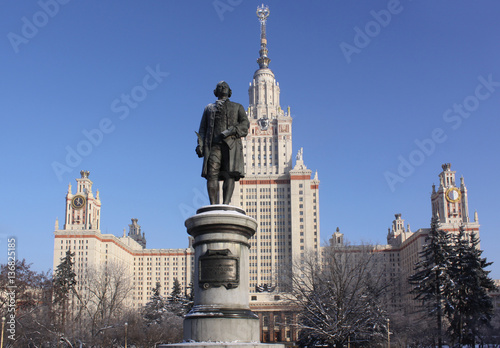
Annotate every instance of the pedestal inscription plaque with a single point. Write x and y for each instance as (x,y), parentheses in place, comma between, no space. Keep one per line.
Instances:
(219,268)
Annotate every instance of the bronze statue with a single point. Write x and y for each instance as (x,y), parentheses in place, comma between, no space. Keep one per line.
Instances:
(222,126)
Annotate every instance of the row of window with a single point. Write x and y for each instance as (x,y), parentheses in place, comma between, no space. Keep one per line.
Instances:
(80,241)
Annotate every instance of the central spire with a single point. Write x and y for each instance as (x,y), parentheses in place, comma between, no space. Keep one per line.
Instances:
(262,14)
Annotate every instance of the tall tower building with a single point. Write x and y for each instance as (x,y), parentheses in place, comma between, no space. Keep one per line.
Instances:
(282,197)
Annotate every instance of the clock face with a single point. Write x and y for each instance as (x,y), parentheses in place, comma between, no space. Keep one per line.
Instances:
(78,202)
(453,195)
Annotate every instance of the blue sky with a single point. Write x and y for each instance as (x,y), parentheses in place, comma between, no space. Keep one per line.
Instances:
(377,89)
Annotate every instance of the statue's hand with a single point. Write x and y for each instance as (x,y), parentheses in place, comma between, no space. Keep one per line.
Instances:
(199,151)
(227,132)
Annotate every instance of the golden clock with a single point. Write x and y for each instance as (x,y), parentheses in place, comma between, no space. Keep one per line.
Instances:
(78,202)
(453,195)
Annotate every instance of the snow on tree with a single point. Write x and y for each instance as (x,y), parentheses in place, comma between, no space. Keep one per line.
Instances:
(161,324)
(339,299)
(178,302)
(432,280)
(155,309)
(64,277)
(176,289)
(471,306)
(452,282)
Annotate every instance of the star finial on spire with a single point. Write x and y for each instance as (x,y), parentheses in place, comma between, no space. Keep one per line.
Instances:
(262,13)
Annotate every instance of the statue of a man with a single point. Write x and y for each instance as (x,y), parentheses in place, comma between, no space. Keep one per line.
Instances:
(222,126)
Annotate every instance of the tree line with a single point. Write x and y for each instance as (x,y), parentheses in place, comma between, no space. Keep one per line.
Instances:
(343,298)
(91,310)
(346,296)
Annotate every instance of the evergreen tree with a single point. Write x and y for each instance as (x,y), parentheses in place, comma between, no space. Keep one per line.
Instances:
(471,306)
(64,282)
(176,289)
(155,308)
(160,324)
(178,303)
(432,279)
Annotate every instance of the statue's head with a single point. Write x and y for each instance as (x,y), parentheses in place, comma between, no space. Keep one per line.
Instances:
(222,89)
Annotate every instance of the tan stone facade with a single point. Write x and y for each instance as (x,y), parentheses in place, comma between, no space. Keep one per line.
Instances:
(449,203)
(284,199)
(93,249)
(282,196)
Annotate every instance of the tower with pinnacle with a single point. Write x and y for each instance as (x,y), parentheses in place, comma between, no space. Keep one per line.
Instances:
(450,203)
(282,196)
(135,233)
(83,209)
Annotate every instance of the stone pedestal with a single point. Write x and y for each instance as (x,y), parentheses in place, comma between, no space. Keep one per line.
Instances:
(221,311)
(221,314)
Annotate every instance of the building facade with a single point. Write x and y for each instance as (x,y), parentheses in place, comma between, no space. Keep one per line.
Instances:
(450,205)
(93,250)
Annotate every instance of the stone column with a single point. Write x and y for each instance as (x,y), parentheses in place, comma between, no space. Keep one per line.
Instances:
(221,311)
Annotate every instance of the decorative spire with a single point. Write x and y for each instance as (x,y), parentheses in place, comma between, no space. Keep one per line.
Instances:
(56,227)
(262,14)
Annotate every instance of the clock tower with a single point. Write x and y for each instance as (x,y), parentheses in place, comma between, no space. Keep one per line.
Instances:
(450,202)
(83,210)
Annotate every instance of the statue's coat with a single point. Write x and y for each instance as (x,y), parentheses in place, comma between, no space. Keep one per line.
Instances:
(237,120)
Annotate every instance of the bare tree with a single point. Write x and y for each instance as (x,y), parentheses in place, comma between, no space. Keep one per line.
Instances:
(142,333)
(26,304)
(340,297)
(101,298)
